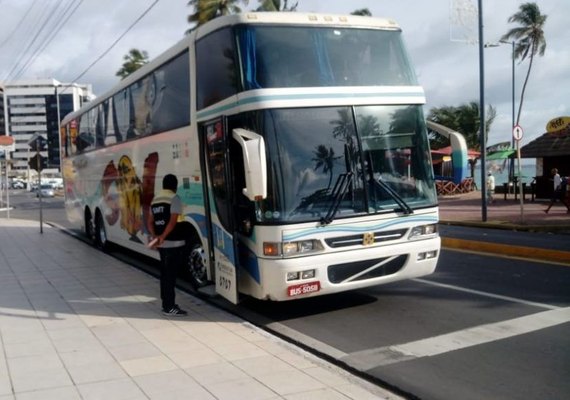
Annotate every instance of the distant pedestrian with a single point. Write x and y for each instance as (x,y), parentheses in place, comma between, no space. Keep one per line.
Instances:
(162,224)
(559,190)
(490,188)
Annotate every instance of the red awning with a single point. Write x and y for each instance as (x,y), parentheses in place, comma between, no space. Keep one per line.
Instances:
(446,151)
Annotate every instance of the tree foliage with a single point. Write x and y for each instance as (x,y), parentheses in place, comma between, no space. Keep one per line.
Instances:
(529,39)
(362,11)
(133,60)
(276,5)
(207,10)
(463,119)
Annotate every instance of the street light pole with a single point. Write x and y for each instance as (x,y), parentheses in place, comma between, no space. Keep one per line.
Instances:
(512,162)
(482,138)
(58,126)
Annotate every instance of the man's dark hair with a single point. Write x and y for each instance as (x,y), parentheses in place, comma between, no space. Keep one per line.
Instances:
(170,182)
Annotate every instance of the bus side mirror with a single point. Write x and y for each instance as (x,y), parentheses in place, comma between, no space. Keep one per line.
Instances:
(255,166)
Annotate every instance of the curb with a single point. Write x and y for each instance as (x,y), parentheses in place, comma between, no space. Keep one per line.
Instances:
(504,225)
(531,253)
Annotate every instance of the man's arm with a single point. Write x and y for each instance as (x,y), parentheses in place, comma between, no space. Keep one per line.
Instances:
(150,224)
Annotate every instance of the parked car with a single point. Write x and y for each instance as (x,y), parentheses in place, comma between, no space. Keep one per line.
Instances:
(18,185)
(45,191)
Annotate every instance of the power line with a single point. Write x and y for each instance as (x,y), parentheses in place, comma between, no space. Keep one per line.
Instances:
(115,42)
(18,25)
(31,43)
(62,19)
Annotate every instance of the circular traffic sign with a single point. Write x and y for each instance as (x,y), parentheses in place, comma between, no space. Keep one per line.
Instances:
(517,132)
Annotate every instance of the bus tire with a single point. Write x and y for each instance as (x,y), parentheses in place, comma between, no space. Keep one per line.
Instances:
(196,267)
(100,233)
(89,226)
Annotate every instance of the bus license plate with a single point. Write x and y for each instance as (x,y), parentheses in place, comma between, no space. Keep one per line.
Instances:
(304,288)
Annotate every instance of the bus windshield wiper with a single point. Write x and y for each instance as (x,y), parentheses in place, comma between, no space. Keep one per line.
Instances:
(394,195)
(391,192)
(340,188)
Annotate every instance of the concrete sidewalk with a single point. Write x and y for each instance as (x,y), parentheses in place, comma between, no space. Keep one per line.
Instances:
(465,209)
(76,323)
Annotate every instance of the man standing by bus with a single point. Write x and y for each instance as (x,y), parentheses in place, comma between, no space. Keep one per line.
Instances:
(162,222)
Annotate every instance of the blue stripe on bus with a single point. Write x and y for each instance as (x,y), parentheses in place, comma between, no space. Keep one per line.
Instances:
(310,96)
(341,229)
(248,261)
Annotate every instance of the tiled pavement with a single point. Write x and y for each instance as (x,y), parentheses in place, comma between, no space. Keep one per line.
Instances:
(466,209)
(76,323)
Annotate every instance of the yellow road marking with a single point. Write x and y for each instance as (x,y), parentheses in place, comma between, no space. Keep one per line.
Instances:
(533,253)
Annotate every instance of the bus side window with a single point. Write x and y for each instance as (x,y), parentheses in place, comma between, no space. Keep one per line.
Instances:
(121,114)
(216,71)
(100,128)
(168,95)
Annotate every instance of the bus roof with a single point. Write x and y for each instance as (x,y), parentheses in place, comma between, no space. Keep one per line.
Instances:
(272,18)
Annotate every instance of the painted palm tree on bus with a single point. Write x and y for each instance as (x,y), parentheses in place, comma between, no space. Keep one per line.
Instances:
(528,37)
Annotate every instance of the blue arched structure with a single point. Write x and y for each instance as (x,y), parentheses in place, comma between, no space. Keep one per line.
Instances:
(459,159)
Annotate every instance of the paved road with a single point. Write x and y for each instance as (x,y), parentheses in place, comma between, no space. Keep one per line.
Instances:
(475,329)
(480,327)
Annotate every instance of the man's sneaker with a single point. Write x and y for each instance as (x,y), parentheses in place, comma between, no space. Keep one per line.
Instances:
(175,312)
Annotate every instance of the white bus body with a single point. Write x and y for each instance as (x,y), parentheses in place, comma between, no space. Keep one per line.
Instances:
(299,144)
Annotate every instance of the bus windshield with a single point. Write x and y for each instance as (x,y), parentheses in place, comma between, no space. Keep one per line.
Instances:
(353,160)
(300,56)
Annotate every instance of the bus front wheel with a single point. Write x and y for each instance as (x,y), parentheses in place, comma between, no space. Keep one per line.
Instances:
(197,270)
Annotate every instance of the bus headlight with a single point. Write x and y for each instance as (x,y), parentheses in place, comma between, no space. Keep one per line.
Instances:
(291,248)
(419,232)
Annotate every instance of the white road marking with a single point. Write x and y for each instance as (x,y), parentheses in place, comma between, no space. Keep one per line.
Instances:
(487,294)
(372,358)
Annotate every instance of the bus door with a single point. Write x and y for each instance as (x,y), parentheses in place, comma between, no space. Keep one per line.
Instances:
(219,194)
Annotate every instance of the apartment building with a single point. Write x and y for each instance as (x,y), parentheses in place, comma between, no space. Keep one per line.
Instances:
(32,107)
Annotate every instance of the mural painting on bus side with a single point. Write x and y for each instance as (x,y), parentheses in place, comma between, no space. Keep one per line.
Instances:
(130,201)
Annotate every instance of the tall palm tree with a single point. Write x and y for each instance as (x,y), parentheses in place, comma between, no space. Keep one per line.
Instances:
(207,10)
(275,5)
(528,37)
(134,59)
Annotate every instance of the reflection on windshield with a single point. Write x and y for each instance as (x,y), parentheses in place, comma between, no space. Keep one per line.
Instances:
(301,56)
(383,148)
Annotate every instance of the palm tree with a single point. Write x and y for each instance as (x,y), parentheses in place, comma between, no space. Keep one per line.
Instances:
(134,59)
(325,158)
(207,10)
(463,119)
(275,5)
(528,37)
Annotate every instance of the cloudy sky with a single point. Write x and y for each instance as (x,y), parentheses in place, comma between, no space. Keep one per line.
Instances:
(447,69)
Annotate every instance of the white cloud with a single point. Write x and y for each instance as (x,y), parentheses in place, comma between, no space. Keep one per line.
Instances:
(449,71)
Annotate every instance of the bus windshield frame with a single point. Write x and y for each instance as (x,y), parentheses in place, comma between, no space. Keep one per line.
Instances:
(308,56)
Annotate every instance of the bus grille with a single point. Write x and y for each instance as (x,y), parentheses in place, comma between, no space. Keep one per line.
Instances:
(354,240)
(340,272)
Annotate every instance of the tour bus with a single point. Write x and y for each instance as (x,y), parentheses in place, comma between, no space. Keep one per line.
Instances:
(300,146)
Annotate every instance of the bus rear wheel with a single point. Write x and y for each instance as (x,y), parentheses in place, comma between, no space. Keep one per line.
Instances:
(100,234)
(196,268)
(89,226)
